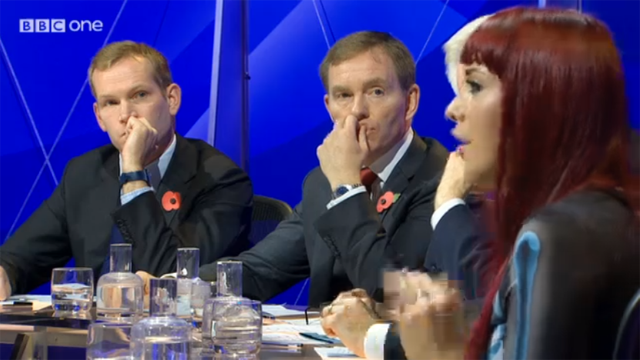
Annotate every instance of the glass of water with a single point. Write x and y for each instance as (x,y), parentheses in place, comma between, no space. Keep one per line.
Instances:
(109,341)
(188,262)
(234,326)
(200,292)
(229,278)
(72,290)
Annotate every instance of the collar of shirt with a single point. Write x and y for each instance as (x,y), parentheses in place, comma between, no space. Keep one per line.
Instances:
(163,160)
(384,165)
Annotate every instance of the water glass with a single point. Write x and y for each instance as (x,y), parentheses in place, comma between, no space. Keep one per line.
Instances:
(234,326)
(200,292)
(109,341)
(229,278)
(188,262)
(72,290)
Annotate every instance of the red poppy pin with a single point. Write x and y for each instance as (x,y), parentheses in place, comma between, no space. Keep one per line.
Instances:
(171,201)
(385,201)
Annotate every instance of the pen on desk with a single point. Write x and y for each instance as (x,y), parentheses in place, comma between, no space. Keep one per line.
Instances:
(319,337)
(282,346)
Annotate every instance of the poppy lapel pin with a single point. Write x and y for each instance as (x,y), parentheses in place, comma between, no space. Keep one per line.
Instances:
(386,200)
(171,201)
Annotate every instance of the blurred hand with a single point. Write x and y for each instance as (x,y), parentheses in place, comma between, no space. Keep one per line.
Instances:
(343,151)
(140,144)
(348,318)
(5,286)
(431,319)
(146,279)
(453,184)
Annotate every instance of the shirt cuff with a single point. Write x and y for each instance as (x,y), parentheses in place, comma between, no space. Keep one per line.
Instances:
(348,194)
(125,198)
(374,341)
(443,209)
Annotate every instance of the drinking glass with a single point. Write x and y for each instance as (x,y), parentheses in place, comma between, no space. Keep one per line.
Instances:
(234,326)
(229,278)
(109,341)
(72,290)
(188,263)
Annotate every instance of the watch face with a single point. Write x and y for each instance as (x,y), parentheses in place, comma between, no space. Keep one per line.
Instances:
(341,190)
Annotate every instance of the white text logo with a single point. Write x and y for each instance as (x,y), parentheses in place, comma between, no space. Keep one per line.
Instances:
(59,25)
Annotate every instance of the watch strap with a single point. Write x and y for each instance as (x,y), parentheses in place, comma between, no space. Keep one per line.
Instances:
(141,175)
(343,189)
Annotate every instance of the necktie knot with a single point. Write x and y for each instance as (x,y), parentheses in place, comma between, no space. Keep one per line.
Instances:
(367,177)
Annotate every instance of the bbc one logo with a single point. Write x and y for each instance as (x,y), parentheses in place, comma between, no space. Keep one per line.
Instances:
(59,26)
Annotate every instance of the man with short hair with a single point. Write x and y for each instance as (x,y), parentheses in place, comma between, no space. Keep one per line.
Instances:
(456,233)
(367,204)
(150,187)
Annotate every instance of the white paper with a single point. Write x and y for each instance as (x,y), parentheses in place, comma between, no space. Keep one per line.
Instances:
(302,322)
(334,352)
(279,310)
(38,301)
(290,334)
(43,298)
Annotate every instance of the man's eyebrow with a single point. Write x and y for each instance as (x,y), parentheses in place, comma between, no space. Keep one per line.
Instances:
(339,88)
(375,82)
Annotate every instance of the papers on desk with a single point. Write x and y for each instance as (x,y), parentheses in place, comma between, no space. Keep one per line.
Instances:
(38,302)
(335,352)
(281,311)
(287,334)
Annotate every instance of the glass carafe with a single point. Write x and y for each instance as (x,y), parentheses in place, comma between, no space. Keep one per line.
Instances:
(162,335)
(119,295)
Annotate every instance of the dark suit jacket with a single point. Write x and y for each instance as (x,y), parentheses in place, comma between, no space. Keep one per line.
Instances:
(346,246)
(461,237)
(464,244)
(77,220)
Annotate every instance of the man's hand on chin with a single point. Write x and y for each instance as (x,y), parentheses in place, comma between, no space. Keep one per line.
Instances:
(343,151)
(138,148)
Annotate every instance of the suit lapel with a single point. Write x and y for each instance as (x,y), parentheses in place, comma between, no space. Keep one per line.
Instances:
(402,174)
(174,184)
(107,195)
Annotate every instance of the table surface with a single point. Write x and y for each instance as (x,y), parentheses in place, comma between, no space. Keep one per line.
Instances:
(72,331)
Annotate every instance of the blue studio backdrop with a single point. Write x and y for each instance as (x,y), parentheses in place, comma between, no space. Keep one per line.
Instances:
(249,74)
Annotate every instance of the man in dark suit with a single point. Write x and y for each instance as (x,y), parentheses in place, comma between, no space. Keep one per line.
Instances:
(458,246)
(150,187)
(367,202)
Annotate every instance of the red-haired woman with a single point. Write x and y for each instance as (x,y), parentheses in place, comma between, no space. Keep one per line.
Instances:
(542,114)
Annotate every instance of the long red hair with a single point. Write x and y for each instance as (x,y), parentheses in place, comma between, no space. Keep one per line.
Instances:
(564,121)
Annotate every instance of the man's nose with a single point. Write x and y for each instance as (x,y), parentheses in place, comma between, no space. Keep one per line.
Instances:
(360,108)
(126,109)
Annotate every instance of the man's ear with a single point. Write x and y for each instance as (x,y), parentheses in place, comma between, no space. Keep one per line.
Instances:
(174,97)
(413,100)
